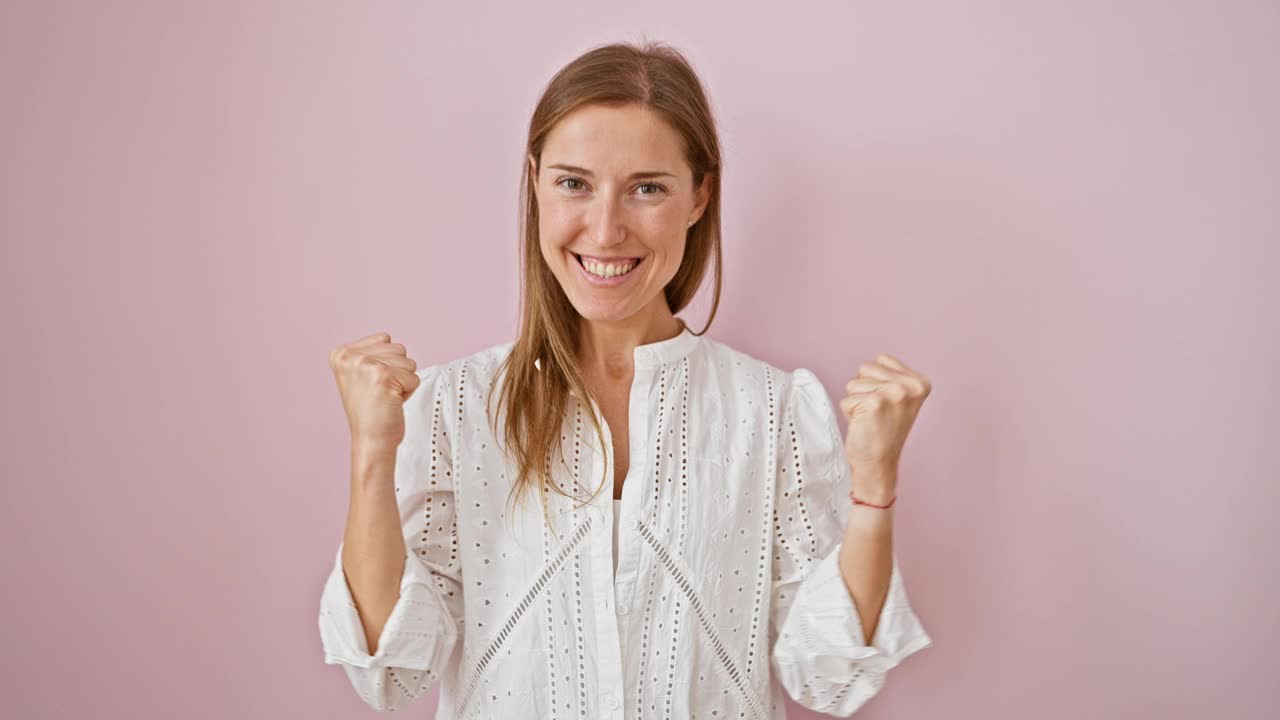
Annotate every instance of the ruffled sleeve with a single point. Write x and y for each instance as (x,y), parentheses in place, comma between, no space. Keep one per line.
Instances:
(426,622)
(817,644)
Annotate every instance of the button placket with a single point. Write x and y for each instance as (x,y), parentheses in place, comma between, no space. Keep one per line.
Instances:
(608,645)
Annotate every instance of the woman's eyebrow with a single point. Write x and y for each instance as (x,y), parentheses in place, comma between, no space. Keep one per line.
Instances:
(632,176)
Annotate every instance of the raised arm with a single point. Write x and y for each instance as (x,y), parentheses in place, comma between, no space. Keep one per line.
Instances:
(818,649)
(391,610)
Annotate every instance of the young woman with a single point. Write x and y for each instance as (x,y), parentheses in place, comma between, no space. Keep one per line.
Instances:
(613,516)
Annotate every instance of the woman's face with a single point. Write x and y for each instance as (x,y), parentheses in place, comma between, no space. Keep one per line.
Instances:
(614,192)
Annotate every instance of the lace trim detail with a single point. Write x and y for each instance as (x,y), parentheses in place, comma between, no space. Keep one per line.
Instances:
(495,645)
(695,603)
(422,679)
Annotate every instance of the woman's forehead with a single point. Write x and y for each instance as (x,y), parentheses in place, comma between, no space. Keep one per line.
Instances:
(614,141)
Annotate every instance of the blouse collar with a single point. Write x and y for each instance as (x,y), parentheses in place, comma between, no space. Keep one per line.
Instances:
(666,351)
(661,352)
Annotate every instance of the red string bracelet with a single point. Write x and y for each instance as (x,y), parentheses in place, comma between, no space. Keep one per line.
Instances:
(856,501)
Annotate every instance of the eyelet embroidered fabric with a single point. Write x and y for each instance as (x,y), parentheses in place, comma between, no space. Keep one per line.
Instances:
(710,590)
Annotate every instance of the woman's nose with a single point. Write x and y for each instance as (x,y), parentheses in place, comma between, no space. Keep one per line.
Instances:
(606,223)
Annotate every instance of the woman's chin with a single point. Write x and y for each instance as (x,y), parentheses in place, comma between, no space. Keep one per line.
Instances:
(594,313)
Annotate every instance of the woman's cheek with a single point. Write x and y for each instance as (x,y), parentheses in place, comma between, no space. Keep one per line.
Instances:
(667,221)
(557,222)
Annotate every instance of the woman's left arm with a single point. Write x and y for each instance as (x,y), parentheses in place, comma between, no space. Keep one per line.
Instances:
(831,557)
(881,405)
(866,556)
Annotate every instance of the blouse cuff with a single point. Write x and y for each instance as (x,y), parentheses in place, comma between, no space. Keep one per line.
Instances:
(822,632)
(419,634)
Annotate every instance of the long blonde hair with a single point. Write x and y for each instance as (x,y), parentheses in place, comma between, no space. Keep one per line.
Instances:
(534,399)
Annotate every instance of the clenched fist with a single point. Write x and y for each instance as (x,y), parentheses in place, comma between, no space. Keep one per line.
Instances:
(375,376)
(881,405)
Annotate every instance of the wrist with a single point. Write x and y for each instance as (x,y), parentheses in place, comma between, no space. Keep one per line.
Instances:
(874,494)
(371,458)
(875,484)
(367,445)
(866,522)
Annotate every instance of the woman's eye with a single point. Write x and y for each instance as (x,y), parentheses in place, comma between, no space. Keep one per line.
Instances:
(575,184)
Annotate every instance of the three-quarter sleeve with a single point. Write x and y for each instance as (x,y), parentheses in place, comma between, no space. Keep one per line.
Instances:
(817,645)
(427,620)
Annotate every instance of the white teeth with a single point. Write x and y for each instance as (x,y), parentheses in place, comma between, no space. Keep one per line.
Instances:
(606,271)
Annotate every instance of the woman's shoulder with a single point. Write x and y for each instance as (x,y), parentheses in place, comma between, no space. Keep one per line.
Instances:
(472,368)
(743,368)
(732,373)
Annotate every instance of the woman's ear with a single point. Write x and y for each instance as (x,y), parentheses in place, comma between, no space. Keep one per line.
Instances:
(701,198)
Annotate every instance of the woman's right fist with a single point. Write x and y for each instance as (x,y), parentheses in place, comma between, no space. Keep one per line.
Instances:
(374,377)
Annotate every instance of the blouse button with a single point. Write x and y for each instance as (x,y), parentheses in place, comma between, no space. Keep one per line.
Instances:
(612,702)
(623,610)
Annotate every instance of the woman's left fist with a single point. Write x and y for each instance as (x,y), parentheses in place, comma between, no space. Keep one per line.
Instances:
(881,405)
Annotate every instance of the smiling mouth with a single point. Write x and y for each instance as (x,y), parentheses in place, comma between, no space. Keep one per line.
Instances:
(601,270)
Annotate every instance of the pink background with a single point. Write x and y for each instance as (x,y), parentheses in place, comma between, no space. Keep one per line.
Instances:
(1064,214)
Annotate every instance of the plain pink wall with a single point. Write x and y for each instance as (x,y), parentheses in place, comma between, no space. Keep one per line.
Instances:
(1065,214)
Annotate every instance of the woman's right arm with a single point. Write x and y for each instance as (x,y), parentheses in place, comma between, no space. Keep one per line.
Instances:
(391,610)
(373,550)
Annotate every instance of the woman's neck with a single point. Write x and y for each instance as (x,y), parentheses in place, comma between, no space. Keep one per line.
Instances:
(607,349)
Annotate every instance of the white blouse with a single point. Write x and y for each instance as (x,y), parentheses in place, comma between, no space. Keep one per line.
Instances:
(617,512)
(723,588)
